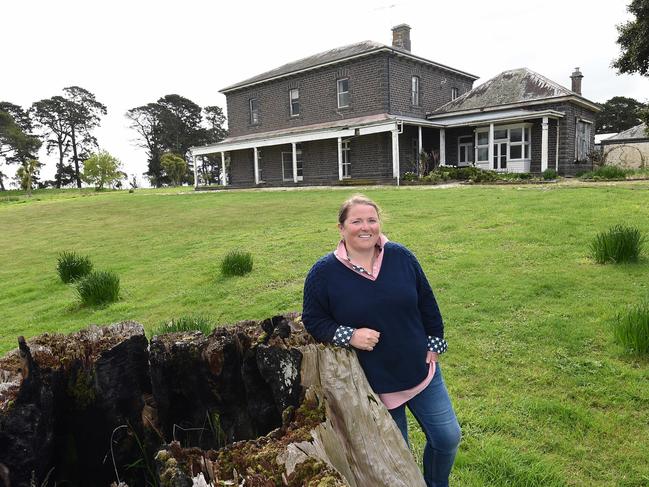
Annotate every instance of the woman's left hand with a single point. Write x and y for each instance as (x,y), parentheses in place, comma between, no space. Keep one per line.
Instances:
(431,357)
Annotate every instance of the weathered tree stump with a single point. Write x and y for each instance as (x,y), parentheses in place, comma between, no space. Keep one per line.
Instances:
(255,403)
(62,398)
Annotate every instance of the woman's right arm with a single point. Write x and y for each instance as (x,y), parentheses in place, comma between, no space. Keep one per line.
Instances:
(316,313)
(317,319)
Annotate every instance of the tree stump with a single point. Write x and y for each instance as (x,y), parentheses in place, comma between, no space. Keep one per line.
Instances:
(254,404)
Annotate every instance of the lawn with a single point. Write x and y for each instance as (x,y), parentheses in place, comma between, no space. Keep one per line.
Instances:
(544,396)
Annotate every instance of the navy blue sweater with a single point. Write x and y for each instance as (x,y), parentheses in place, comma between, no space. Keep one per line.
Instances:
(399,304)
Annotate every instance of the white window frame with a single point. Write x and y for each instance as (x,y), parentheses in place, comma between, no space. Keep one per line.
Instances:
(346,161)
(254,113)
(294,101)
(414,91)
(583,145)
(260,168)
(340,93)
(454,93)
(526,141)
(289,160)
(465,141)
(481,146)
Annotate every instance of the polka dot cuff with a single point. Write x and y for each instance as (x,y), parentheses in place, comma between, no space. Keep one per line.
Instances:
(342,336)
(436,344)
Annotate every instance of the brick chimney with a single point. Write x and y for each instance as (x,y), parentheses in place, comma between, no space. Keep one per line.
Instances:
(401,36)
(576,81)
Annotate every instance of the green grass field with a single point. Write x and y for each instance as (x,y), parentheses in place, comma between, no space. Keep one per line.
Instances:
(544,396)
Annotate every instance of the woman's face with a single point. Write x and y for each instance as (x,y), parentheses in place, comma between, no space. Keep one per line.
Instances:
(361,229)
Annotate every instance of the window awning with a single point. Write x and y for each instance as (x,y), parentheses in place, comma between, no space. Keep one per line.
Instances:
(473,119)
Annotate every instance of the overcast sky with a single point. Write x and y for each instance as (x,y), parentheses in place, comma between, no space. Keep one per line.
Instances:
(129,53)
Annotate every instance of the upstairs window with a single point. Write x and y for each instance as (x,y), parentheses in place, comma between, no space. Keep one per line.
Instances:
(414,91)
(294,102)
(583,140)
(254,111)
(454,93)
(343,92)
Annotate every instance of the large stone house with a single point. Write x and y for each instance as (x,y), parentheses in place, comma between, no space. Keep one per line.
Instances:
(365,112)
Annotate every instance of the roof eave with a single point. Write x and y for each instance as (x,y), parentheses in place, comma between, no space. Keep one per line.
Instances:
(537,101)
(239,86)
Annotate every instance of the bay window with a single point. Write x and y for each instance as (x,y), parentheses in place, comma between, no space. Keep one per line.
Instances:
(511,143)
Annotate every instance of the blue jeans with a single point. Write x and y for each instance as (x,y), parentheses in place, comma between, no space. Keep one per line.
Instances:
(433,411)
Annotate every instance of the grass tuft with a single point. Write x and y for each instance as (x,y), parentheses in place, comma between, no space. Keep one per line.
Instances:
(236,263)
(99,287)
(607,173)
(185,323)
(72,266)
(618,244)
(631,329)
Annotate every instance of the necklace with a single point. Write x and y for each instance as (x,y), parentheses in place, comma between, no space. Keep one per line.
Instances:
(360,268)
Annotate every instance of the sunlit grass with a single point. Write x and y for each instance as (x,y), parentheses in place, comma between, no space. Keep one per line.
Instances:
(543,394)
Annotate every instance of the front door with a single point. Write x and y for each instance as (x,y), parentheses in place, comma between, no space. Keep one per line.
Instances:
(500,155)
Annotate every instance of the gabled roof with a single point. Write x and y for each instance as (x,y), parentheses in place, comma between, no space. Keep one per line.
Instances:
(331,56)
(637,132)
(513,87)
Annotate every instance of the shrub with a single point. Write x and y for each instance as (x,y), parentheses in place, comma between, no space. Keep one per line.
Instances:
(482,176)
(72,266)
(631,329)
(236,263)
(99,287)
(549,174)
(606,172)
(409,176)
(432,178)
(186,323)
(618,244)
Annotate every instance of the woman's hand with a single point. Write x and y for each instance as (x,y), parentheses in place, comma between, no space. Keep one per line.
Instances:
(431,357)
(364,339)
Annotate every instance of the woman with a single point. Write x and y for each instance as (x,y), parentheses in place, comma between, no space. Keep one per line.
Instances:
(372,295)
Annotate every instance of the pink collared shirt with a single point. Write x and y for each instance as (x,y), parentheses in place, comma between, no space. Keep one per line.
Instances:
(391,399)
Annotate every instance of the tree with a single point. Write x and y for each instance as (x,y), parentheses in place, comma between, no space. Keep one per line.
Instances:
(68,121)
(83,113)
(215,120)
(102,169)
(145,120)
(173,124)
(634,40)
(50,114)
(618,114)
(174,166)
(17,144)
(26,175)
(210,164)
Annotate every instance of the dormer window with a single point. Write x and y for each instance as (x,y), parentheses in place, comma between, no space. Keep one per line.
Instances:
(414,91)
(254,111)
(454,93)
(343,92)
(294,102)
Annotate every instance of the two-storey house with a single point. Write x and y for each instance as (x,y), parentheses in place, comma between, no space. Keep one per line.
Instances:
(367,111)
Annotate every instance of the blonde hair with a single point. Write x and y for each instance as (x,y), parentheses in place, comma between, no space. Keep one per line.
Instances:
(357,199)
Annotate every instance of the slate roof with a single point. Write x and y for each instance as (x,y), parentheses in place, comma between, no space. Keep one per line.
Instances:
(332,55)
(637,132)
(513,86)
